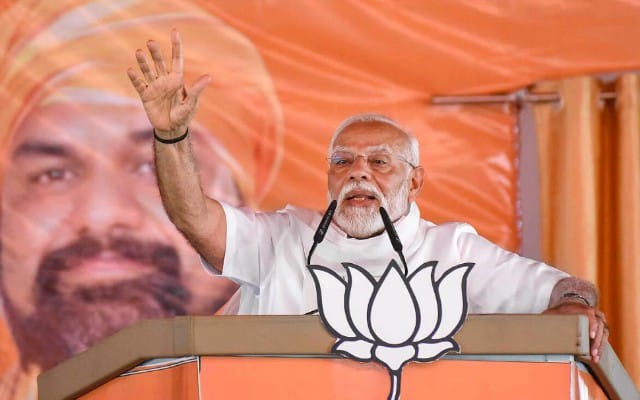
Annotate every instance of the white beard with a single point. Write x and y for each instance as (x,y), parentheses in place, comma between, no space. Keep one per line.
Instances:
(364,222)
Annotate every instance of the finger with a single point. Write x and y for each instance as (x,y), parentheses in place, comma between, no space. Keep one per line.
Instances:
(138,83)
(198,87)
(601,315)
(156,55)
(605,335)
(176,52)
(596,343)
(593,324)
(144,66)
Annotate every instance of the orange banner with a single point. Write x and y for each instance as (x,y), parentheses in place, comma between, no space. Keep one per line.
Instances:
(86,246)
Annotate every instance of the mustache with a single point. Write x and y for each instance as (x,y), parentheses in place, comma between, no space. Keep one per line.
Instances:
(64,326)
(161,257)
(361,185)
(67,322)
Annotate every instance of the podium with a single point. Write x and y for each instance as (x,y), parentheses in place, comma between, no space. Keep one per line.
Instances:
(502,356)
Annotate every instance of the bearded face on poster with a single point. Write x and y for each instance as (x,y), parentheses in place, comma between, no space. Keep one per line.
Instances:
(86,246)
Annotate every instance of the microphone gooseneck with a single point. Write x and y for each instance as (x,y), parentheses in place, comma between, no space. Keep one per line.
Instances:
(322,228)
(393,237)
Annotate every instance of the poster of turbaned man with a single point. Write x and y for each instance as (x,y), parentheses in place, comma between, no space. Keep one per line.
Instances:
(86,247)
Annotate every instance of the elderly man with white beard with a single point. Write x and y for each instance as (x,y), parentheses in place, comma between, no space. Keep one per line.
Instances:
(373,162)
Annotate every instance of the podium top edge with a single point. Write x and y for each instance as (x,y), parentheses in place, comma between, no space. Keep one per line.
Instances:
(292,335)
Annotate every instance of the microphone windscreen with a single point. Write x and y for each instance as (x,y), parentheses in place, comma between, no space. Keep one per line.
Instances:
(324,223)
(393,235)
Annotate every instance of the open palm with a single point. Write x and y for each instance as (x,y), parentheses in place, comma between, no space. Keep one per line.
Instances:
(169,106)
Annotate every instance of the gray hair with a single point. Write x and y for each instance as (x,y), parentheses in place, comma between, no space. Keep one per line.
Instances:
(411,153)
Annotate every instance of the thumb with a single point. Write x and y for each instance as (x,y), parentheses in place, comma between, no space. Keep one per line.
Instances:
(198,87)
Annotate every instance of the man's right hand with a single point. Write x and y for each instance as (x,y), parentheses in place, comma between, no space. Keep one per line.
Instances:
(169,105)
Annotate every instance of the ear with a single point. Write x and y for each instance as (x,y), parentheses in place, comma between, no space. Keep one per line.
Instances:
(416,180)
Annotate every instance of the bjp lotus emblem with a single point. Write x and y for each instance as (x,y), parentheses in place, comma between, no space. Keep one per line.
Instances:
(396,319)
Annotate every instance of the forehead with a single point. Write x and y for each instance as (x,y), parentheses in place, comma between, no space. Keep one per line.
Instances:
(76,123)
(363,135)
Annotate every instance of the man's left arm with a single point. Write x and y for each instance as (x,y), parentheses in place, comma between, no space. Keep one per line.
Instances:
(507,282)
(575,296)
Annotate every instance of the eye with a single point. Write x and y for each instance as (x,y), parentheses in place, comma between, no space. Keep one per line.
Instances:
(338,161)
(51,176)
(379,161)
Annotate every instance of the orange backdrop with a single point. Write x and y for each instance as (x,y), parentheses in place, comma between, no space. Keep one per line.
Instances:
(329,59)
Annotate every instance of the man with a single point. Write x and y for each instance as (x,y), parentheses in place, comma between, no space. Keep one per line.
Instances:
(373,162)
(86,247)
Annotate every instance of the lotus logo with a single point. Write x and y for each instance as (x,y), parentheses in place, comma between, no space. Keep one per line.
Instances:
(395,320)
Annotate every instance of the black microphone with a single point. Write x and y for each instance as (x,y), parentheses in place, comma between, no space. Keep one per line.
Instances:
(322,228)
(393,236)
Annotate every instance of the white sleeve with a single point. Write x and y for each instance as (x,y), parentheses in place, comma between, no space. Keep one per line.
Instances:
(502,281)
(249,252)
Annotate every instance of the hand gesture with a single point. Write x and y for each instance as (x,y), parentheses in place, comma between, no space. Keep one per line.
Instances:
(169,105)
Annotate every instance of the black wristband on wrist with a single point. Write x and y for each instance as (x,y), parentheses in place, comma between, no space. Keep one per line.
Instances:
(170,141)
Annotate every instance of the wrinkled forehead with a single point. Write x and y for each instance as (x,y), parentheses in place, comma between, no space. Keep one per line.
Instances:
(370,136)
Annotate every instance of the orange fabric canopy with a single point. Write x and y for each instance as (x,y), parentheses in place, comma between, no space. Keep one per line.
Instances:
(330,59)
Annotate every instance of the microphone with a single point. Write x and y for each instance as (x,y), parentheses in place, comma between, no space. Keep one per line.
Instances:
(393,236)
(322,228)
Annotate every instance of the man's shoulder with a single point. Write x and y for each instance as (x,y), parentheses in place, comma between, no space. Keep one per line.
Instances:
(305,215)
(450,228)
(289,216)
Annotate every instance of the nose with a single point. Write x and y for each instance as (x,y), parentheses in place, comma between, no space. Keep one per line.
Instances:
(359,169)
(108,206)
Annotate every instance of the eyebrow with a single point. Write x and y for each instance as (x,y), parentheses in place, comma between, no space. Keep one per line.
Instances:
(36,148)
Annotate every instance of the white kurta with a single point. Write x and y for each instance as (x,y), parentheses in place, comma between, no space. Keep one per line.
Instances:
(266,254)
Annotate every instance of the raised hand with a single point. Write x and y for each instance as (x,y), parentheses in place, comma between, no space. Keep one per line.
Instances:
(169,105)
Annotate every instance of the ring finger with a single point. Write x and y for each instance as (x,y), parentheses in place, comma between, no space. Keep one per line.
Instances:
(144,66)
